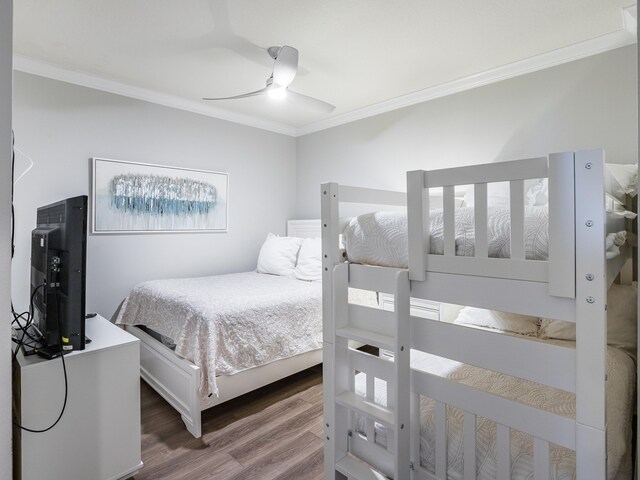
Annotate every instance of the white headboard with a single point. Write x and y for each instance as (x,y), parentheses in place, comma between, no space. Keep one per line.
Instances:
(304,228)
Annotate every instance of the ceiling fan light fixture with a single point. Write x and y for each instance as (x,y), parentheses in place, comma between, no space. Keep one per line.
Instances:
(285,67)
(277,93)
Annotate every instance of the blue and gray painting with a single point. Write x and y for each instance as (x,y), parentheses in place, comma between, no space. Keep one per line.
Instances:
(160,195)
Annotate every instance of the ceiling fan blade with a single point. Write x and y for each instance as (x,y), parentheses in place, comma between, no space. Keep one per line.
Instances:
(285,66)
(223,36)
(244,95)
(310,102)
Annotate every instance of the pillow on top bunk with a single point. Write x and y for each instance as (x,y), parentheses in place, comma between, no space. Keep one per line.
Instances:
(436,197)
(622,311)
(615,206)
(537,195)
(278,255)
(621,179)
(500,321)
(309,266)
(537,192)
(499,194)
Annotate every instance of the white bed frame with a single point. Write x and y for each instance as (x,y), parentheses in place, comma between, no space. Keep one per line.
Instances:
(178,380)
(571,286)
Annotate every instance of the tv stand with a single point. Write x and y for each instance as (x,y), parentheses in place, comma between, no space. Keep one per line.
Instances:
(98,437)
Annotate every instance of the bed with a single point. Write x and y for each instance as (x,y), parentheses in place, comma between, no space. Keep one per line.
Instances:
(231,334)
(556,262)
(620,396)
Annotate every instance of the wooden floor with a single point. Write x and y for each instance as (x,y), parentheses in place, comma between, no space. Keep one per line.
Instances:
(272,433)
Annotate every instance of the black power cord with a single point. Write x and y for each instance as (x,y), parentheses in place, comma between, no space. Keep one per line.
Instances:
(27,316)
(64,369)
(28,322)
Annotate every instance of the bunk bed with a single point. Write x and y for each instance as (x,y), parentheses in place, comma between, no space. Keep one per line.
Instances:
(569,282)
(190,382)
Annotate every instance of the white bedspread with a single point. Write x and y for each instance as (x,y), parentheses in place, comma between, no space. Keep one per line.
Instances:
(619,397)
(228,323)
(380,238)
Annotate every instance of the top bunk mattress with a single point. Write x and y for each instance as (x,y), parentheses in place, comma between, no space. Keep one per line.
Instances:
(228,323)
(380,238)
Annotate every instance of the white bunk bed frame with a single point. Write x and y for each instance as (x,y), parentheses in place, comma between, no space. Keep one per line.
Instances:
(571,286)
(177,380)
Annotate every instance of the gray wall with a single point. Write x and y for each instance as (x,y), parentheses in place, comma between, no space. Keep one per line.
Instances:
(60,126)
(6,38)
(585,104)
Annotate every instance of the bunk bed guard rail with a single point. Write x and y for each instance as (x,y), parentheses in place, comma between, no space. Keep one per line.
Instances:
(558,271)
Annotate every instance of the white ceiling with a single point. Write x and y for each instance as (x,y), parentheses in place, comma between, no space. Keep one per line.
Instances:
(354,53)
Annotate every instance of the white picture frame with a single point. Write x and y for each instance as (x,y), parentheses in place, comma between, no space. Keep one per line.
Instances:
(132,197)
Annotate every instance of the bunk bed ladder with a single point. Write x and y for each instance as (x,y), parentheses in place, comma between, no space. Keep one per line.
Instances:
(356,456)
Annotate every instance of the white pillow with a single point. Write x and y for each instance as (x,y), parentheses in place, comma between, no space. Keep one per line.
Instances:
(621,180)
(436,197)
(497,195)
(537,192)
(501,321)
(309,266)
(615,206)
(278,255)
(622,311)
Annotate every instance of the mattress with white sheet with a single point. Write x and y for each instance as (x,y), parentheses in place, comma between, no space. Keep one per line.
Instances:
(619,398)
(228,323)
(380,238)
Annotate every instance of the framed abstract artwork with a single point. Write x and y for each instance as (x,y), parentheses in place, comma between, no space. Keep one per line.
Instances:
(142,198)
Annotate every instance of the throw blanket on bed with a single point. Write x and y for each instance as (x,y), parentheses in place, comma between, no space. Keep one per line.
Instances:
(620,396)
(228,323)
(380,238)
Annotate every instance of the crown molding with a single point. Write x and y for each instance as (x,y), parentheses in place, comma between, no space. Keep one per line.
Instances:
(625,36)
(45,69)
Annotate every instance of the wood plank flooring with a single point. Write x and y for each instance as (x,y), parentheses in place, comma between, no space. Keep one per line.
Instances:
(274,433)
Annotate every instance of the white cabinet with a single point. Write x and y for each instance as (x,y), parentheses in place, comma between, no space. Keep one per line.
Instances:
(98,437)
(418,308)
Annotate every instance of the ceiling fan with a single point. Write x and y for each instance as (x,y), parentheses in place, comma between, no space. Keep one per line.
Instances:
(285,67)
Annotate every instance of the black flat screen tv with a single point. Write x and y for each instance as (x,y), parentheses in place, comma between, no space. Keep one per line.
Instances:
(58,277)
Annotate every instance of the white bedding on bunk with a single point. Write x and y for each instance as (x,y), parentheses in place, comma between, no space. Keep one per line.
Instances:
(619,397)
(380,238)
(228,323)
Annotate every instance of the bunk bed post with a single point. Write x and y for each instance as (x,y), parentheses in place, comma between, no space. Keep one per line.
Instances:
(402,375)
(562,229)
(330,252)
(418,229)
(330,258)
(591,316)
(340,368)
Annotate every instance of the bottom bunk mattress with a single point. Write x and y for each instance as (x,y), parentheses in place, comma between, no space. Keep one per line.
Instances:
(619,397)
(225,324)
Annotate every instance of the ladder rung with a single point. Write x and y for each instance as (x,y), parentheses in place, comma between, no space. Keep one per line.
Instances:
(355,469)
(377,279)
(370,338)
(368,409)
